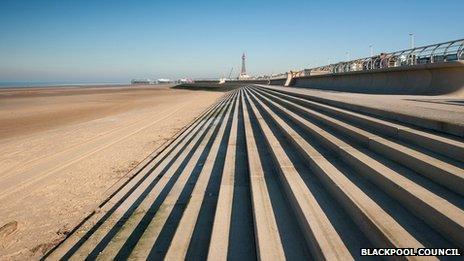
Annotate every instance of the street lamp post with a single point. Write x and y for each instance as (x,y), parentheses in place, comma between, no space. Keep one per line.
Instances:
(372,50)
(411,35)
(347,66)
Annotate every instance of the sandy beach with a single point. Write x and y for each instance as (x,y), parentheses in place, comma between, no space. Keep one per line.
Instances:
(64,148)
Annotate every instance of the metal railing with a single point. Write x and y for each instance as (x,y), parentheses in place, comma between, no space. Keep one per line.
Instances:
(278,76)
(435,53)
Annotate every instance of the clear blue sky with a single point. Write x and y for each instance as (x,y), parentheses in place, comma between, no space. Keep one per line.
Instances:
(98,40)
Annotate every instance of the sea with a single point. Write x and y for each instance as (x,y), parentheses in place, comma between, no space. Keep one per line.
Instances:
(55,84)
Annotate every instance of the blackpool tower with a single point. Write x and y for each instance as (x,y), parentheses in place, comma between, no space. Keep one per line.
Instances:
(243,74)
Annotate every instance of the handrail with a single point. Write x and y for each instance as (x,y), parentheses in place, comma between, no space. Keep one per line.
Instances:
(434,53)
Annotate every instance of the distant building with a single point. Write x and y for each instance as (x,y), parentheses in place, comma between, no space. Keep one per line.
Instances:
(185,80)
(161,81)
(140,81)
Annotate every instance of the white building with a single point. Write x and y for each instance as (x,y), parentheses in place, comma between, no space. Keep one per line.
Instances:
(140,81)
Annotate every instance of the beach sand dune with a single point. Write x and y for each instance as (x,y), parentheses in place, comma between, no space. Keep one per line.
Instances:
(64,148)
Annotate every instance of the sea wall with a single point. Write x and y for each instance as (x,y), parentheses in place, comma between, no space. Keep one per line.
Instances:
(426,79)
(280,82)
(216,86)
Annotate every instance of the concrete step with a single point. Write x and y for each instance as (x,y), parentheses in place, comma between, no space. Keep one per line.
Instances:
(269,246)
(366,213)
(115,216)
(393,183)
(137,239)
(269,175)
(450,176)
(145,247)
(420,122)
(268,240)
(442,144)
(183,235)
(321,236)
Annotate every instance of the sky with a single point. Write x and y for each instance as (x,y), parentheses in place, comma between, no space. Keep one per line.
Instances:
(115,41)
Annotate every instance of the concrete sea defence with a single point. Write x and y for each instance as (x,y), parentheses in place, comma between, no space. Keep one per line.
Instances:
(269,175)
(412,110)
(215,85)
(424,79)
(279,82)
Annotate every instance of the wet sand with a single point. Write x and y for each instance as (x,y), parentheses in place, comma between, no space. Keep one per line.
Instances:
(64,148)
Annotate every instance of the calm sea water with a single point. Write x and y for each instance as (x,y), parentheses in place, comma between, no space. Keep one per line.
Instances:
(55,84)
